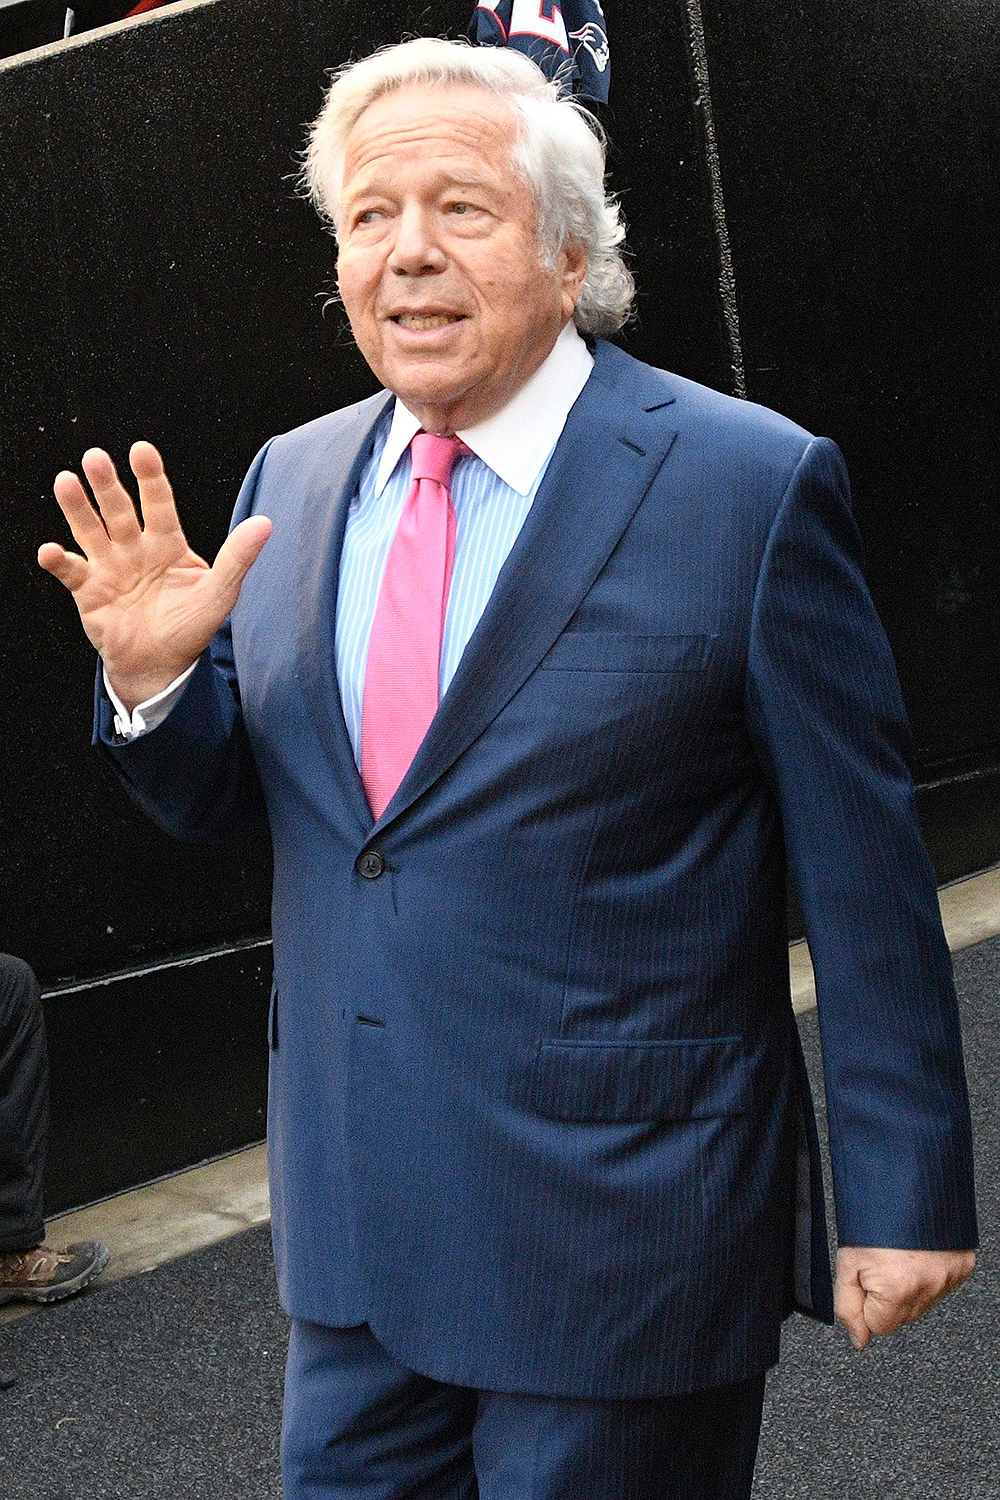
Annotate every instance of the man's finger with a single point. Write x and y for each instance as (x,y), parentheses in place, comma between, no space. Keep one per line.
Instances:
(849,1305)
(156,496)
(240,551)
(884,1315)
(114,501)
(81,517)
(66,566)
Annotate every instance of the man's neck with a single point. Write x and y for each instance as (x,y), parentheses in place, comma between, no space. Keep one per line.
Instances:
(516,439)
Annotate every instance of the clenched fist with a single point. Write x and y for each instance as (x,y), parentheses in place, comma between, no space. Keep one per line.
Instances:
(878,1290)
(147,602)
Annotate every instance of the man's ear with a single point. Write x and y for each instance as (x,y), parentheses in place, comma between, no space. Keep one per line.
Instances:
(573,260)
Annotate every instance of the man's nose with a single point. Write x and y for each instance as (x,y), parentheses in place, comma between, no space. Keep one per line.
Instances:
(415,250)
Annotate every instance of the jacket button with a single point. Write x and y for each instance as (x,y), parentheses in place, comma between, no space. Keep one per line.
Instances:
(370,864)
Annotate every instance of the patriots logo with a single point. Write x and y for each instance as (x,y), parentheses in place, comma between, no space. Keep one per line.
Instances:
(579,59)
(591,37)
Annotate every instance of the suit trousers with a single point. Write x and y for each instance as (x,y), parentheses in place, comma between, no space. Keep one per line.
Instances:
(358,1425)
(24,1107)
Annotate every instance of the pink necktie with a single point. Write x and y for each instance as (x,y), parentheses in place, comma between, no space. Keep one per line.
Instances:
(402,674)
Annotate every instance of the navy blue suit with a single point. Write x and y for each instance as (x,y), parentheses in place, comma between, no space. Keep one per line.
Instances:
(538,1112)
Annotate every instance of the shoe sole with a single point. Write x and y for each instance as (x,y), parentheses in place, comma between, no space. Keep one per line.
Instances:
(64,1289)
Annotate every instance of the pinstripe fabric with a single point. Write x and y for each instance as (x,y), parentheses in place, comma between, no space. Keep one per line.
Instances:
(813,757)
(488,516)
(445,1442)
(537,1112)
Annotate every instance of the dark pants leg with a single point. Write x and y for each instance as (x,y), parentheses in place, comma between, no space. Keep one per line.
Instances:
(361,1426)
(24,1107)
(693,1447)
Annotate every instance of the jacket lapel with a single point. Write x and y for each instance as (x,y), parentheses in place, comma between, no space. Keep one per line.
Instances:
(607,457)
(329,483)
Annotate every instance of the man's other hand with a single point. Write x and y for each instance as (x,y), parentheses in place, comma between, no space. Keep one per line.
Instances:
(879,1290)
(147,602)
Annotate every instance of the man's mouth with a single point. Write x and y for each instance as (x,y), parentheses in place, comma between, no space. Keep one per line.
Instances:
(422,321)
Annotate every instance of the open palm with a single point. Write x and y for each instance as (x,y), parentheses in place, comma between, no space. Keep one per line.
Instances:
(148,603)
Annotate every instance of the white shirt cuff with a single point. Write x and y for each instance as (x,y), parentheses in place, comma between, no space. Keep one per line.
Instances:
(145,716)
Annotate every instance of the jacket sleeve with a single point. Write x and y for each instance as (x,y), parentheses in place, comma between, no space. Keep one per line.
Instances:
(194,774)
(827,720)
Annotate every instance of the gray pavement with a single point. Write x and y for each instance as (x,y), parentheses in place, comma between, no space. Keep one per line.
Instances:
(917,1416)
(169,1384)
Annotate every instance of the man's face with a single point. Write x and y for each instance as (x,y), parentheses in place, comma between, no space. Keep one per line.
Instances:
(439,264)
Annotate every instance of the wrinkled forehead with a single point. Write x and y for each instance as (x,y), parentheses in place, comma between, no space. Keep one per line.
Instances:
(461,124)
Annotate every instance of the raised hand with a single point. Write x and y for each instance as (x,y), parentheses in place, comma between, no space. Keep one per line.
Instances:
(149,604)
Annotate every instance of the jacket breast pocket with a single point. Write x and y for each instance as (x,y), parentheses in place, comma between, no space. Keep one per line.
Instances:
(683,1079)
(602,651)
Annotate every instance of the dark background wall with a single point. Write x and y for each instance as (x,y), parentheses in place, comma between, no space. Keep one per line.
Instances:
(807,195)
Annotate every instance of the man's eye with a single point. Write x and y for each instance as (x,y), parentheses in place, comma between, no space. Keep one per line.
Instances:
(460,208)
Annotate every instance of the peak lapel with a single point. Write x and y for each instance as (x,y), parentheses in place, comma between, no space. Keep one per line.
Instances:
(329,483)
(607,457)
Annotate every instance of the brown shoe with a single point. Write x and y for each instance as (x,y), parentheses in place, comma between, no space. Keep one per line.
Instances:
(44,1275)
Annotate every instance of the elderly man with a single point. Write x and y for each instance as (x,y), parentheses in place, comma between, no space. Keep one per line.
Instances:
(544,1167)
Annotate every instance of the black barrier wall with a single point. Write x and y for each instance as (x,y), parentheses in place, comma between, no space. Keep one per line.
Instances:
(807,195)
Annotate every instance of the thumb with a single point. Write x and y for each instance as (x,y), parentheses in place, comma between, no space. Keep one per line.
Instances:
(849,1305)
(239,552)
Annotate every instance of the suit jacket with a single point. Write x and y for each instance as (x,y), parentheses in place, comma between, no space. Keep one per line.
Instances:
(537,1107)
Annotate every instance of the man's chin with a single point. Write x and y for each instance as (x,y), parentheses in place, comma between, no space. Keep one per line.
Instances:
(424,388)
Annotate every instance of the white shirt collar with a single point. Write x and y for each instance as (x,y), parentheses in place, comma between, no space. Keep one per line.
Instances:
(516,440)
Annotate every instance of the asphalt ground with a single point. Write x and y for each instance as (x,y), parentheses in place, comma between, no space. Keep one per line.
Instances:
(167,1386)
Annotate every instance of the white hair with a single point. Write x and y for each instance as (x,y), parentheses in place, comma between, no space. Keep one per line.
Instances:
(560,149)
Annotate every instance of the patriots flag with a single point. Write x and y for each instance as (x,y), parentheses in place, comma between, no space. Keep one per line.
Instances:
(568,40)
